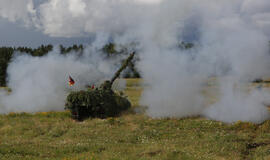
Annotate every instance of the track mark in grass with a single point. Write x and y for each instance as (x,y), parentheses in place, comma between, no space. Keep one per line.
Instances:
(250,146)
(151,153)
(100,149)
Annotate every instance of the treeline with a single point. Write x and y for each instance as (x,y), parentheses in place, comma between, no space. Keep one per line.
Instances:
(108,50)
(43,50)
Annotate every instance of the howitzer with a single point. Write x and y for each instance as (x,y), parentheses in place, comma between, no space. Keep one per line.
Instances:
(101,102)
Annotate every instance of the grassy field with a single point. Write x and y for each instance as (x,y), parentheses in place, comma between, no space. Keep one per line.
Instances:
(54,135)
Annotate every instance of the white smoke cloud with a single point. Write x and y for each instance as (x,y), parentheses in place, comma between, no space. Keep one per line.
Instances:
(236,103)
(231,40)
(229,45)
(173,90)
(41,83)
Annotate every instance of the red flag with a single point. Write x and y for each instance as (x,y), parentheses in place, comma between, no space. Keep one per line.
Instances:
(71,82)
(93,86)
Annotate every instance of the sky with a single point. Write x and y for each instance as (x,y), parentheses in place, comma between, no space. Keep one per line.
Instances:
(35,22)
(14,34)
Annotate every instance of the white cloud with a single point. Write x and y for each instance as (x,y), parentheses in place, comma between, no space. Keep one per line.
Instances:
(18,10)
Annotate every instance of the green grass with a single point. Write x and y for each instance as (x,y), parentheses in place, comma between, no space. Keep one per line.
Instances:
(54,135)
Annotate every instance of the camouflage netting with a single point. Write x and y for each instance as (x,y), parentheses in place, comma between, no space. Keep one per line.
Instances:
(96,103)
(101,102)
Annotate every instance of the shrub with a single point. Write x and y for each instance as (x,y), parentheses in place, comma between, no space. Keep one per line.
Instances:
(5,56)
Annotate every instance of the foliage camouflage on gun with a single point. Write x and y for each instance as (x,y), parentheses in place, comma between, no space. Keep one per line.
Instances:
(101,102)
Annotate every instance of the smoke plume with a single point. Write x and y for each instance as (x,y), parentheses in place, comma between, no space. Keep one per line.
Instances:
(231,43)
(41,83)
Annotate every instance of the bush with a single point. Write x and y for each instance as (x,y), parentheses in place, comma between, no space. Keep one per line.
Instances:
(96,103)
(5,56)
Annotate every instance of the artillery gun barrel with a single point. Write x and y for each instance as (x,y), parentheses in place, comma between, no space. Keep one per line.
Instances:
(124,65)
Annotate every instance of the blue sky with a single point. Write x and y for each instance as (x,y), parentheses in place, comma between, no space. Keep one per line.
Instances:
(15,34)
